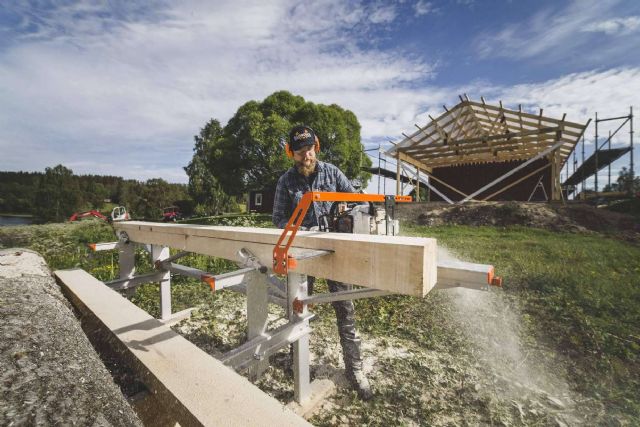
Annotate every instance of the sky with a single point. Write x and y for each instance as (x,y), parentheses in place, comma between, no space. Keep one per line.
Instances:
(121,87)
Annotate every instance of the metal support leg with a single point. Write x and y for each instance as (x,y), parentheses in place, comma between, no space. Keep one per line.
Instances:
(297,288)
(257,313)
(160,253)
(126,264)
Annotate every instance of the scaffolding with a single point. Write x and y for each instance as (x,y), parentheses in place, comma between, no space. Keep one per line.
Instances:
(602,157)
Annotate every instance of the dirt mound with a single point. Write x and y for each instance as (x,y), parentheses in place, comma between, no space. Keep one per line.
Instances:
(557,217)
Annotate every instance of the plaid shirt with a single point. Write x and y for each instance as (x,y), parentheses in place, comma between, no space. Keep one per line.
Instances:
(292,185)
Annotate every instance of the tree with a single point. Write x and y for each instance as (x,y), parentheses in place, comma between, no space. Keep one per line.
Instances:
(204,187)
(58,195)
(95,193)
(154,195)
(626,182)
(249,153)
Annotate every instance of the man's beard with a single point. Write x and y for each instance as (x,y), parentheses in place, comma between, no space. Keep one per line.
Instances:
(306,170)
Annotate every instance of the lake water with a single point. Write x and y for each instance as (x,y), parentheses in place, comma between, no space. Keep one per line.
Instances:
(6,220)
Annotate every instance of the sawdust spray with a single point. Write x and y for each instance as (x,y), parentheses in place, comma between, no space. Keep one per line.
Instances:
(508,363)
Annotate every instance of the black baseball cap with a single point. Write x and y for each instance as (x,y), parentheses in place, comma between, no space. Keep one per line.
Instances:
(301,136)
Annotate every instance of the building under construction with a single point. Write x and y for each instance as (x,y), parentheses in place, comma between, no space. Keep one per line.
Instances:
(478,151)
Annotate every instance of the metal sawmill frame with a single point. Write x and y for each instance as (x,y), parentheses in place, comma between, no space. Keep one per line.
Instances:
(477,132)
(261,287)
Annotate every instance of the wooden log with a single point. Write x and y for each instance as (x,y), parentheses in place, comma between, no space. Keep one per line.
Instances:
(404,265)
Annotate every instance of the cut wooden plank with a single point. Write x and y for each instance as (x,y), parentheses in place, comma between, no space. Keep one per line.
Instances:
(405,265)
(195,388)
(455,273)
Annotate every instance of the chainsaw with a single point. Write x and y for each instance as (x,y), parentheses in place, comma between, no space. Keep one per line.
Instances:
(359,218)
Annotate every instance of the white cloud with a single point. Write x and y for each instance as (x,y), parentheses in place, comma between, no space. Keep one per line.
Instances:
(125,96)
(615,26)
(579,95)
(95,92)
(383,15)
(423,7)
(561,34)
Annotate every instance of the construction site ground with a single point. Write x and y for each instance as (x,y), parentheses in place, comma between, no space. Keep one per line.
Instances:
(559,345)
(562,217)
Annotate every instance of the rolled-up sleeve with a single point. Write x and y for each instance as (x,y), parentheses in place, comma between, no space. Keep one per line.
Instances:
(281,205)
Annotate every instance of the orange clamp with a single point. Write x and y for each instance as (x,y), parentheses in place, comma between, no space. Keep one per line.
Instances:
(209,280)
(298,306)
(494,280)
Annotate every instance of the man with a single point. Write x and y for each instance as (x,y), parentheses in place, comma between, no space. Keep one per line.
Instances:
(310,174)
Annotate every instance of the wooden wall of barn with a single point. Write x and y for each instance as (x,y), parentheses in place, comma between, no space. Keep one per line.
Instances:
(469,178)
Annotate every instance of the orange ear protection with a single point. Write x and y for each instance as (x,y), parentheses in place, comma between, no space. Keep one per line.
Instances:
(289,151)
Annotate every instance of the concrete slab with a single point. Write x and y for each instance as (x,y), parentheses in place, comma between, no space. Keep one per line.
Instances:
(193,386)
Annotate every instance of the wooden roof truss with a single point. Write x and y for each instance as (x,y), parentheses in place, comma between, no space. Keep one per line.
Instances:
(477,132)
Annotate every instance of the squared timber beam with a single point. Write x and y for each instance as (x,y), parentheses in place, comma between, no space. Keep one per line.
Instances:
(404,265)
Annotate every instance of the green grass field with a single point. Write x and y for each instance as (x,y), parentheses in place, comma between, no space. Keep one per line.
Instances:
(576,299)
(580,293)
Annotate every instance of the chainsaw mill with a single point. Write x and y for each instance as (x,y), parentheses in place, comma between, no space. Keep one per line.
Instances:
(356,243)
(360,218)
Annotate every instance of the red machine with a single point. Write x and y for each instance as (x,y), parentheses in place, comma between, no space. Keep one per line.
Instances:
(171,213)
(79,215)
(119,213)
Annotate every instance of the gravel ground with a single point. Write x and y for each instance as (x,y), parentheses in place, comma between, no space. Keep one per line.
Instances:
(50,373)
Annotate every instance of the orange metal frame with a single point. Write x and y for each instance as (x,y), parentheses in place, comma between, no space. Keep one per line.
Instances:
(282,262)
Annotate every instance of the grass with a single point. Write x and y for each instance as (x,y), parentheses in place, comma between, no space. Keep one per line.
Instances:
(580,294)
(579,297)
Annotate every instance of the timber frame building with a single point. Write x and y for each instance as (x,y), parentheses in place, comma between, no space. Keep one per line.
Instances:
(478,151)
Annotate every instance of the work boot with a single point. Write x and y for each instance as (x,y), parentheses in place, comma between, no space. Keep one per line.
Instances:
(359,382)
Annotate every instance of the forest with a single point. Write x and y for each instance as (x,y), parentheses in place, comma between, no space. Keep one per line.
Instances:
(57,193)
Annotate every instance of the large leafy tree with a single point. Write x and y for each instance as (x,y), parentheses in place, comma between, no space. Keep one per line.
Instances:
(204,187)
(58,195)
(249,154)
(156,194)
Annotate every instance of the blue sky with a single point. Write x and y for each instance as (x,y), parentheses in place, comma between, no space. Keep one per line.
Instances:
(121,87)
